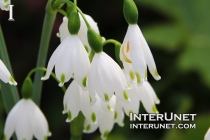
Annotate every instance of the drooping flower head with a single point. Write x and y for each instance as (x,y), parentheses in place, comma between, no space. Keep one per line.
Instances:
(75,100)
(4,4)
(26,120)
(135,49)
(5,75)
(82,34)
(70,58)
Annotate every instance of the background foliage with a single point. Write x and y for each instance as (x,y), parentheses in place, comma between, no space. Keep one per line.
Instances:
(178,34)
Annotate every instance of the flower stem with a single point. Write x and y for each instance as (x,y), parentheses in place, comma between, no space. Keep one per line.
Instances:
(117,49)
(43,49)
(76,127)
(9,93)
(44,69)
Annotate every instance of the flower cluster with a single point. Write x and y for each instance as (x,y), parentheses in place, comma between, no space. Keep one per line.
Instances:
(101,89)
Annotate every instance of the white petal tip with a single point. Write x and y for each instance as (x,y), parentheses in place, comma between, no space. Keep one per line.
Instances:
(64,112)
(60,84)
(157,102)
(121,124)
(49,134)
(13,83)
(44,78)
(157,77)
(67,120)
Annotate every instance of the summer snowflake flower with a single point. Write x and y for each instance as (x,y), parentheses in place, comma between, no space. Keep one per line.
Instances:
(5,76)
(207,136)
(70,59)
(26,119)
(136,51)
(106,119)
(82,34)
(105,78)
(4,4)
(75,100)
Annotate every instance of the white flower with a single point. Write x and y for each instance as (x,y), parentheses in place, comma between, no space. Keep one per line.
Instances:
(135,50)
(70,59)
(207,135)
(4,4)
(26,119)
(106,119)
(145,94)
(63,30)
(75,100)
(106,78)
(5,76)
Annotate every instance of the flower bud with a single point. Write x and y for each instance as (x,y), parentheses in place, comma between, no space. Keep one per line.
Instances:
(95,41)
(74,23)
(27,88)
(130,12)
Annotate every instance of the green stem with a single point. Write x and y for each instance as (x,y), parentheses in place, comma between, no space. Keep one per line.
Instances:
(9,93)
(44,69)
(43,49)
(117,50)
(83,16)
(76,127)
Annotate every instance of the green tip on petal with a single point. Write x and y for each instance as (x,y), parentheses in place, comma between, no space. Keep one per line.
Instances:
(156,73)
(84,82)
(25,139)
(154,109)
(109,108)
(132,75)
(138,78)
(131,111)
(86,48)
(125,95)
(63,78)
(106,133)
(88,128)
(106,97)
(69,115)
(91,99)
(93,117)
(115,115)
(12,80)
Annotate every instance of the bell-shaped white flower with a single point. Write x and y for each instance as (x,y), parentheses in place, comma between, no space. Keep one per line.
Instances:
(5,75)
(144,93)
(105,119)
(70,59)
(207,135)
(136,51)
(4,4)
(106,78)
(63,30)
(26,119)
(75,100)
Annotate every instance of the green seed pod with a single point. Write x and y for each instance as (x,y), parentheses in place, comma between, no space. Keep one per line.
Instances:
(130,12)
(74,23)
(95,41)
(27,88)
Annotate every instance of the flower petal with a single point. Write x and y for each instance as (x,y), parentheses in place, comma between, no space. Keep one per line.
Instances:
(73,101)
(89,127)
(148,56)
(147,99)
(152,92)
(12,119)
(55,56)
(80,62)
(37,120)
(207,135)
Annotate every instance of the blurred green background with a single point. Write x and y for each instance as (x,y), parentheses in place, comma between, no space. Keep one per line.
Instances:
(178,33)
